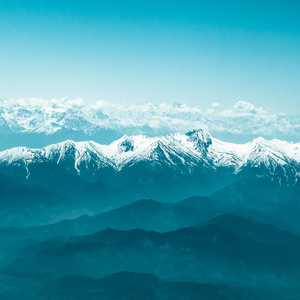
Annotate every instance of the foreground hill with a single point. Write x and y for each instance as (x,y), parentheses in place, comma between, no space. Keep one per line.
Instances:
(123,285)
(253,256)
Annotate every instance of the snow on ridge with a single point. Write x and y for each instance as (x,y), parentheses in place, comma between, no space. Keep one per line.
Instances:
(180,146)
(50,116)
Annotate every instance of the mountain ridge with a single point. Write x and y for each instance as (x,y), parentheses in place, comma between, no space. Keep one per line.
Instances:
(38,122)
(183,151)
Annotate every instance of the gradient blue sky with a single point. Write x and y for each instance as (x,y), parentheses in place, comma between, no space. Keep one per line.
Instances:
(194,52)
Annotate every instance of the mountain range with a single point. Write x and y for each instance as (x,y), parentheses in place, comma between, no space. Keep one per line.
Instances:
(37,122)
(239,257)
(91,178)
(179,216)
(181,153)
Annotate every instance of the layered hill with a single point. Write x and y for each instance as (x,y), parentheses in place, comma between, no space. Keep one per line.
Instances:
(227,250)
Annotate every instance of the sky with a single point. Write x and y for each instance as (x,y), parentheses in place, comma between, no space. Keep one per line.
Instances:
(202,53)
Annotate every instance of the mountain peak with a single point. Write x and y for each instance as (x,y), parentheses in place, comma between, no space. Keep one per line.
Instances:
(38,122)
(202,139)
(126,144)
(181,152)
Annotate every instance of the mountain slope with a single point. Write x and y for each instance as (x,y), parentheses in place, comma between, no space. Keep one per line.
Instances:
(179,165)
(144,214)
(266,196)
(28,204)
(216,252)
(123,285)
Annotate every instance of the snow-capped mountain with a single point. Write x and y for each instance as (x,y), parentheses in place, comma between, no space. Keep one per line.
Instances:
(186,154)
(36,123)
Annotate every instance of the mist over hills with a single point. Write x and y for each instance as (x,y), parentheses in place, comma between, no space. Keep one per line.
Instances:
(241,258)
(91,178)
(124,285)
(197,198)
(179,216)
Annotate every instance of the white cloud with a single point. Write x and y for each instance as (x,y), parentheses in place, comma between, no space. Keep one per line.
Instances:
(243,118)
(215,104)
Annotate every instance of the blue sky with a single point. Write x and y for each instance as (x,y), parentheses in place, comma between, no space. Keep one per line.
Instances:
(194,52)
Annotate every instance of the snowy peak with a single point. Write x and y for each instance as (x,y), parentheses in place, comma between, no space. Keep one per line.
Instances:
(182,152)
(57,120)
(126,144)
(17,153)
(276,150)
(200,138)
